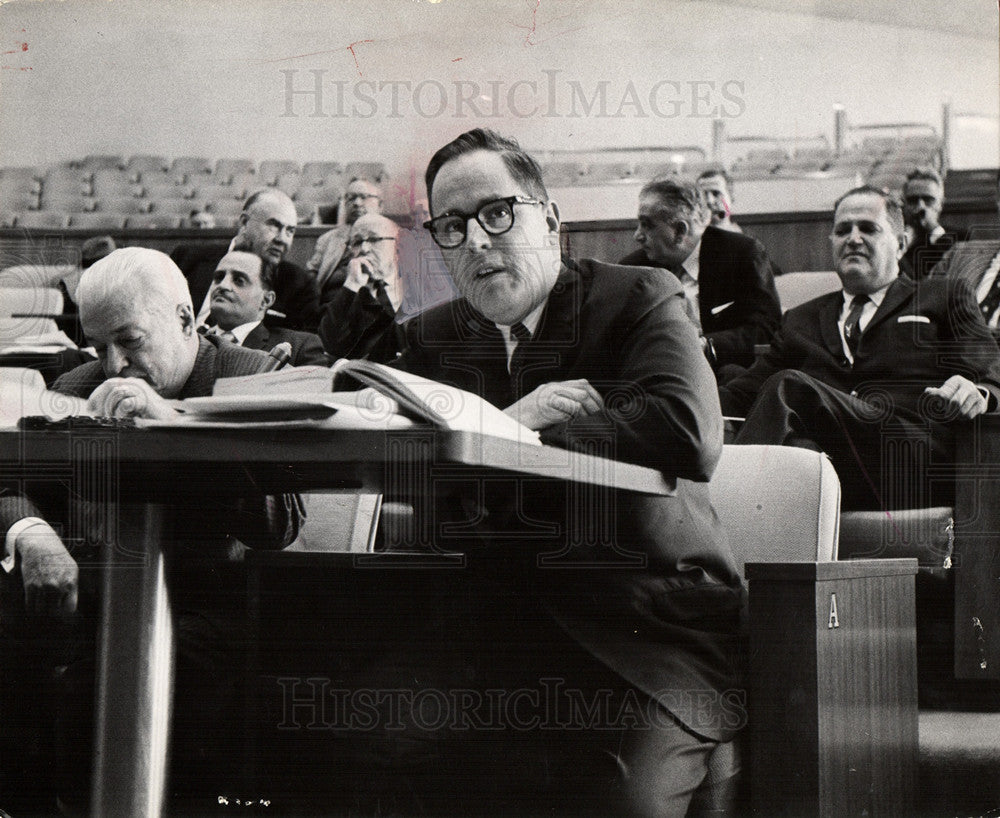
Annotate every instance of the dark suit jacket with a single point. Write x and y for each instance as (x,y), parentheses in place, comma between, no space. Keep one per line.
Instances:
(307,350)
(355,325)
(203,546)
(921,257)
(737,302)
(666,624)
(295,291)
(918,337)
(968,261)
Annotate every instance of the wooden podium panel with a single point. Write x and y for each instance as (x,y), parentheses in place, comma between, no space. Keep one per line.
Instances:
(833,688)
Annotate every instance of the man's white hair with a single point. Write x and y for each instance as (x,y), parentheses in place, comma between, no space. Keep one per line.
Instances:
(148,276)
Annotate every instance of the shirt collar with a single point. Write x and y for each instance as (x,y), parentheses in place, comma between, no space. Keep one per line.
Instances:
(875,297)
(530,321)
(690,264)
(241,332)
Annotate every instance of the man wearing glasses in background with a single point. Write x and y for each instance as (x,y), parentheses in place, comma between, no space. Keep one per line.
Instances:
(267,226)
(597,358)
(329,259)
(359,320)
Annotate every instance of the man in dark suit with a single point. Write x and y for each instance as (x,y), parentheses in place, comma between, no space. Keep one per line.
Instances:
(596,358)
(136,311)
(267,228)
(242,292)
(929,240)
(877,375)
(727,278)
(359,317)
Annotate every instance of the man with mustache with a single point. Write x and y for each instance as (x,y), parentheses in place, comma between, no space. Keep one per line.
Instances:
(241,294)
(881,361)
(267,228)
(359,320)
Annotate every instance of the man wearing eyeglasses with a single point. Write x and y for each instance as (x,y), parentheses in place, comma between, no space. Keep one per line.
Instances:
(877,375)
(266,226)
(602,359)
(359,320)
(330,257)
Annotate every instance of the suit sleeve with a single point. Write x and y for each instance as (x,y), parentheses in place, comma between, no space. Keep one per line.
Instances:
(739,394)
(311,352)
(976,347)
(759,310)
(316,258)
(300,300)
(664,410)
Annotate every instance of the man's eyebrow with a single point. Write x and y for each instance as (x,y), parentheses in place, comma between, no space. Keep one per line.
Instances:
(481,203)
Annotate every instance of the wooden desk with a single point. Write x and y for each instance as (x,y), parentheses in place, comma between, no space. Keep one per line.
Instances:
(149,472)
(977,551)
(832,684)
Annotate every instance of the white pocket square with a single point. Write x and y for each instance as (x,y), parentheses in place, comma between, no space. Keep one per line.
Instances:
(721,307)
(913,319)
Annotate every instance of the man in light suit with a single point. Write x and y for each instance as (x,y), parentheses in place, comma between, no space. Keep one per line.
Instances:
(877,375)
(242,292)
(727,278)
(596,358)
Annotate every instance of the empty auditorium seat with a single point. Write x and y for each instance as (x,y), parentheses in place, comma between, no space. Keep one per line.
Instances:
(269,171)
(42,220)
(603,172)
(101,161)
(113,183)
(209,193)
(365,170)
(145,163)
(313,173)
(563,174)
(22,178)
(226,211)
(63,180)
(149,221)
(122,204)
(68,203)
(12,201)
(97,221)
(179,207)
(646,171)
(184,165)
(229,167)
(318,195)
(168,190)
(289,183)
(245,183)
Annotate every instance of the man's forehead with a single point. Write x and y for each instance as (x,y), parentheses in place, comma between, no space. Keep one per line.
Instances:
(246,263)
(362,186)
(921,187)
(271,207)
(861,206)
(712,183)
(476,175)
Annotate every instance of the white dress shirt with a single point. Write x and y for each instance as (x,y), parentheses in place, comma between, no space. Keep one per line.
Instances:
(874,302)
(530,323)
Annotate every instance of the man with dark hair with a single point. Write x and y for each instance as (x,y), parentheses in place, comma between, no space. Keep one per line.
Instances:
(331,255)
(877,375)
(929,240)
(977,263)
(727,278)
(596,358)
(717,185)
(267,227)
(242,292)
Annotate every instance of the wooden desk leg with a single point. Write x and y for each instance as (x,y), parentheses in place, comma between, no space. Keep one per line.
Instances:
(135,669)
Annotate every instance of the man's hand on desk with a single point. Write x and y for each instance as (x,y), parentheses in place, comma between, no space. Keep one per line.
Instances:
(48,572)
(129,398)
(556,402)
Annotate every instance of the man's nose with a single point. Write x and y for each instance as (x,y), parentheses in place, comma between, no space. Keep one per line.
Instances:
(475,236)
(115,361)
(638,235)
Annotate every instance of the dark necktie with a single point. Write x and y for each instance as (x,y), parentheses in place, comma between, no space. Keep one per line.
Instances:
(518,332)
(852,328)
(382,296)
(992,300)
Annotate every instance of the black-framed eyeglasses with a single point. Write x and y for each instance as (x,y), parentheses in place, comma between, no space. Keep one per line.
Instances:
(495,217)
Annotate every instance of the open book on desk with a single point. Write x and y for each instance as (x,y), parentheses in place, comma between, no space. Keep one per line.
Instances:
(409,395)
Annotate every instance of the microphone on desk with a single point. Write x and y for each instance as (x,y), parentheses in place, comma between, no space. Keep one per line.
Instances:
(280,356)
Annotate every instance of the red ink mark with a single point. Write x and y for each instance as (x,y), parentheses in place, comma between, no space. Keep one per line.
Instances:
(300,56)
(534,23)
(24,47)
(14,68)
(457,59)
(351,49)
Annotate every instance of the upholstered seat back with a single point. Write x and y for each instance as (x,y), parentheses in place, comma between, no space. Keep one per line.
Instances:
(778,504)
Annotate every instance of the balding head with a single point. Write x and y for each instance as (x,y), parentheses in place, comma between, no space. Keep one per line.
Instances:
(267,224)
(135,308)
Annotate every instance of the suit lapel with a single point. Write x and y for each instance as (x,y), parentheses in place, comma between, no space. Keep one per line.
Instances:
(556,334)
(896,297)
(829,315)
(257,338)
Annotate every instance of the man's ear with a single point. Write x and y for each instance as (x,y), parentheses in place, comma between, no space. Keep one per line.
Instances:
(552,217)
(186,314)
(681,229)
(267,300)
